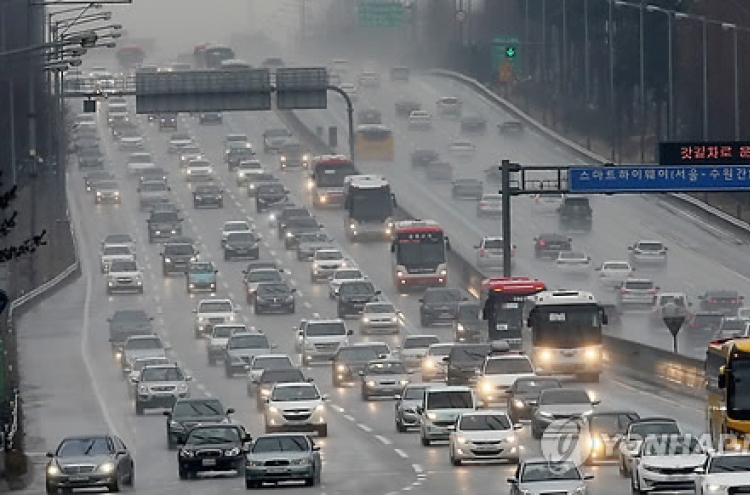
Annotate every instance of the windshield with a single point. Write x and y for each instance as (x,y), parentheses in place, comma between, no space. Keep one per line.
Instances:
(442,296)
(215,307)
(370,204)
(329,255)
(302,222)
(549,471)
(206,436)
(236,138)
(274,289)
(323,329)
(142,363)
(348,275)
(676,300)
(281,376)
(222,332)
(141,344)
(469,353)
(420,342)
(333,175)
(570,255)
(314,237)
(738,399)
(414,393)
(236,226)
(467,313)
(170,374)
(536,386)
(424,251)
(510,366)
(611,423)
(116,251)
(181,137)
(380,308)
(124,266)
(198,408)
(671,445)
(295,392)
(165,217)
(270,189)
(258,341)
(268,362)
(439,350)
(386,368)
(264,276)
(283,443)
(80,447)
(729,464)
(493,244)
(650,246)
(639,285)
(108,184)
(733,324)
(240,237)
(201,268)
(139,158)
(179,250)
(564,396)
(357,354)
(616,266)
(643,430)
(566,326)
(484,422)
(450,400)
(357,289)
(118,239)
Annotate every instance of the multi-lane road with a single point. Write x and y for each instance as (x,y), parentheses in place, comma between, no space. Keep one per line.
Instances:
(72,384)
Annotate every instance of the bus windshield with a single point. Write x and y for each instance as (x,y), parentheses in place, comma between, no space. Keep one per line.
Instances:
(370,204)
(425,253)
(567,326)
(333,175)
(738,386)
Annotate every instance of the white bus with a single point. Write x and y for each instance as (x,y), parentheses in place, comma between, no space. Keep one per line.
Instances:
(368,202)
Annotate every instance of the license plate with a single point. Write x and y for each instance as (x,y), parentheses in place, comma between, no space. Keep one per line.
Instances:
(276,470)
(209,462)
(78,478)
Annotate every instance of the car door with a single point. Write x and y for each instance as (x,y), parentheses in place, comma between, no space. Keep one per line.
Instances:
(317,462)
(124,462)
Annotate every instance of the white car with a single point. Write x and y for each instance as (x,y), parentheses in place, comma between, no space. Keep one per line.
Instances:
(648,253)
(350,90)
(199,170)
(262,362)
(743,313)
(420,119)
(186,158)
(723,472)
(548,203)
(499,373)
(178,142)
(433,364)
(115,252)
(124,276)
(379,316)
(325,262)
(233,226)
(414,348)
(573,262)
(137,365)
(484,436)
(614,273)
(210,312)
(629,448)
(490,252)
(119,240)
(369,79)
(340,276)
(217,341)
(491,205)
(132,141)
(667,462)
(246,168)
(296,407)
(137,163)
(462,149)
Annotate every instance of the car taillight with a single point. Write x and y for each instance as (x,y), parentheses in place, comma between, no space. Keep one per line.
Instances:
(734,301)
(481,252)
(712,301)
(483,205)
(623,291)
(513,252)
(542,243)
(653,291)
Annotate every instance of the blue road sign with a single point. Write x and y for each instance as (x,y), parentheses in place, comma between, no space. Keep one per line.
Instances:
(660,178)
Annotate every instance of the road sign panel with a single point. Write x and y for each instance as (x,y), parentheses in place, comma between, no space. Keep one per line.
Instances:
(302,88)
(705,153)
(505,48)
(658,178)
(381,14)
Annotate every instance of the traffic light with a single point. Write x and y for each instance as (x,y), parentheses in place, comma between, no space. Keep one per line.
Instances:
(510,51)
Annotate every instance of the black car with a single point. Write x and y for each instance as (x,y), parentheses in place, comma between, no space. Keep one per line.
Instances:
(467,189)
(353,295)
(423,157)
(523,395)
(163,225)
(188,413)
(260,264)
(404,108)
(242,245)
(473,124)
(152,173)
(293,154)
(701,324)
(97,175)
(286,215)
(176,256)
(726,302)
(464,361)
(217,447)
(252,181)
(575,213)
(90,461)
(439,304)
(237,152)
(210,118)
(277,297)
(296,226)
(268,194)
(168,121)
(510,128)
(550,245)
(349,361)
(125,323)
(90,158)
(605,430)
(272,376)
(208,195)
(467,325)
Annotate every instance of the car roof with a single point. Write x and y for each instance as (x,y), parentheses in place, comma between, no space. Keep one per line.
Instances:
(420,336)
(295,384)
(214,300)
(612,412)
(144,337)
(268,356)
(655,419)
(450,388)
(325,320)
(639,280)
(384,360)
(721,292)
(486,412)
(552,235)
(368,343)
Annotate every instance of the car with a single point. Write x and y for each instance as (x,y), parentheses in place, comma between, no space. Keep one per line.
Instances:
(413,349)
(242,245)
(94,176)
(261,362)
(510,128)
(216,343)
(90,157)
(523,395)
(467,189)
(499,373)
(726,302)
(270,377)
(234,138)
(383,377)
(200,276)
(237,153)
(274,297)
(189,413)
(573,263)
(604,430)
(177,254)
(548,202)
(163,225)
(178,141)
(275,138)
(320,338)
(254,278)
(246,169)
(637,292)
(125,323)
(296,226)
(439,171)
(269,194)
(433,365)
(167,121)
(350,90)
(343,275)
(308,243)
(138,162)
(702,324)
(462,149)
(152,192)
(484,436)
(208,195)
(240,350)
(349,361)
(399,74)
(294,154)
(575,214)
(643,253)
(614,273)
(730,328)
(668,462)
(213,447)
(124,276)
(449,106)
(423,157)
(255,265)
(210,312)
(379,316)
(109,464)
(490,252)
(408,403)
(404,108)
(137,367)
(550,245)
(107,191)
(464,362)
(420,120)
(473,124)
(234,226)
(152,173)
(439,304)
(677,300)
(186,158)
(728,471)
(298,453)
(115,252)
(637,431)
(325,262)
(542,475)
(353,295)
(287,214)
(199,170)
(159,386)
(559,403)
(141,345)
(130,139)
(442,407)
(490,205)
(369,79)
(296,407)
(210,118)
(369,116)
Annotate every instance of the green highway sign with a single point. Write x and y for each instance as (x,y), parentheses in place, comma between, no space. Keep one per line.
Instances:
(505,49)
(380,14)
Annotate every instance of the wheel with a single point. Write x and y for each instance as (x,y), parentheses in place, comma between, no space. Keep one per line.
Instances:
(257,309)
(454,461)
(292,309)
(535,432)
(323,431)
(183,473)
(139,409)
(621,468)
(211,360)
(114,487)
(423,321)
(426,442)
(634,486)
(400,427)
(310,481)
(51,490)
(171,442)
(228,372)
(250,484)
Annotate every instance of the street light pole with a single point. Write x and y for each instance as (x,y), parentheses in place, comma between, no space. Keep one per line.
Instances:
(586,66)
(727,26)
(544,40)
(705,78)
(612,103)
(641,36)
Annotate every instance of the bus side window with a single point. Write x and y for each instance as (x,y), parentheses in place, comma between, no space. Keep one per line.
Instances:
(395,203)
(723,377)
(532,317)
(393,246)
(447,243)
(604,316)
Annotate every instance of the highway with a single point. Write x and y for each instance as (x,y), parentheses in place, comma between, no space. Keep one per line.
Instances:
(74,385)
(701,256)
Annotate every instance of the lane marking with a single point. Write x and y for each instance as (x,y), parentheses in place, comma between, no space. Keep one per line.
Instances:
(364,427)
(384,440)
(417,468)
(338,408)
(349,417)
(401,453)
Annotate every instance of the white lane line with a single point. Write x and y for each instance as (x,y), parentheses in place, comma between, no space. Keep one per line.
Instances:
(316,315)
(417,468)
(294,282)
(349,417)
(364,427)
(401,453)
(201,387)
(300,294)
(307,304)
(231,296)
(383,440)
(338,408)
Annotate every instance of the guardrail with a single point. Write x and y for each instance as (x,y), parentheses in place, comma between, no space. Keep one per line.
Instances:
(641,362)
(583,153)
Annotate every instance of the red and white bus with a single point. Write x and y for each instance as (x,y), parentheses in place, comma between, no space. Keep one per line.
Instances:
(326,180)
(419,250)
(503,300)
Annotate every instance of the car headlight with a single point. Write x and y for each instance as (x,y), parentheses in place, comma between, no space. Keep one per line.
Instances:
(320,408)
(300,462)
(142,389)
(518,403)
(403,382)
(592,354)
(545,355)
(283,158)
(511,439)
(431,416)
(365,319)
(462,440)
(429,363)
(305,157)
(272,217)
(341,368)
(98,193)
(399,273)
(53,470)
(713,488)
(487,387)
(231,317)
(581,490)
(167,260)
(233,452)
(394,319)
(273,410)
(254,463)
(182,388)
(352,226)
(265,392)
(443,273)
(289,235)
(107,467)
(370,383)
(176,425)
(545,414)
(187,453)
(202,319)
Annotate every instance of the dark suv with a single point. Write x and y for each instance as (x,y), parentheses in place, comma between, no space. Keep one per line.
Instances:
(726,302)
(268,194)
(349,361)
(550,245)
(296,226)
(277,297)
(188,413)
(125,323)
(213,447)
(439,304)
(353,295)
(177,256)
(238,152)
(464,361)
(242,245)
(287,214)
(575,213)
(163,224)
(293,154)
(467,325)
